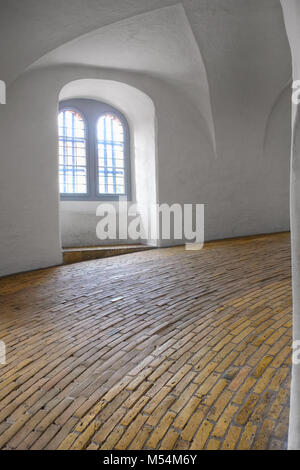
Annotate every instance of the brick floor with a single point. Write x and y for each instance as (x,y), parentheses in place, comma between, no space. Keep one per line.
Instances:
(165,349)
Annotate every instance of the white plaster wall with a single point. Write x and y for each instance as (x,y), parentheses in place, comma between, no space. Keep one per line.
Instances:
(244,48)
(29,234)
(234,192)
(291,10)
(244,184)
(78,222)
(159,43)
(29,174)
(31,28)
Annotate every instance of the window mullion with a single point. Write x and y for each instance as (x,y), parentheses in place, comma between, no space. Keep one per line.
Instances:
(91,162)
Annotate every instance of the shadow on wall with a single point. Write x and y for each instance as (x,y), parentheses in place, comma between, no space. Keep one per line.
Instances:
(276,150)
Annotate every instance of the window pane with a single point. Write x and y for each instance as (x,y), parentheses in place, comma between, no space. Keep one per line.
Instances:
(72,153)
(111,174)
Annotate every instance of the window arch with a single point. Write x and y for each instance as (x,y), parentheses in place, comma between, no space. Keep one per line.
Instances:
(94,160)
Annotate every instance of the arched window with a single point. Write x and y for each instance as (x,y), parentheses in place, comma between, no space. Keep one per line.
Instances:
(94,160)
(72,153)
(110,135)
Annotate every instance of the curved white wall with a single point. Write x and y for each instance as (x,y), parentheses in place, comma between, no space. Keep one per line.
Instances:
(31,144)
(187,168)
(226,81)
(291,10)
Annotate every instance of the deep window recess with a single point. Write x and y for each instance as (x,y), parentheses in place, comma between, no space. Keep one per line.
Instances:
(94,151)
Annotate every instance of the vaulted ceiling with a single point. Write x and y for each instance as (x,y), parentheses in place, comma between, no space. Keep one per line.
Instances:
(230,57)
(31,28)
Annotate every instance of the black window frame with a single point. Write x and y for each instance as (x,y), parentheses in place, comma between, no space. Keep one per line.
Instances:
(91,111)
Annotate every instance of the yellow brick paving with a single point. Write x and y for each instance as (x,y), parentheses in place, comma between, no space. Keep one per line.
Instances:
(164,349)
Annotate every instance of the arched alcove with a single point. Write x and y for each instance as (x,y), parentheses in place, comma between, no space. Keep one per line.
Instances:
(78,218)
